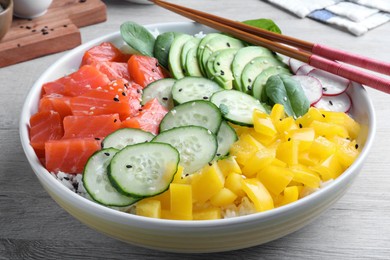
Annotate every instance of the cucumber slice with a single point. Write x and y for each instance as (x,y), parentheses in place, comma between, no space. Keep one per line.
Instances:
(196,145)
(254,68)
(162,46)
(126,136)
(261,79)
(198,112)
(226,137)
(243,57)
(174,59)
(160,89)
(193,88)
(97,184)
(236,106)
(143,170)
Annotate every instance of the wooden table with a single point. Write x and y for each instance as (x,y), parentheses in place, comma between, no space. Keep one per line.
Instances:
(33,226)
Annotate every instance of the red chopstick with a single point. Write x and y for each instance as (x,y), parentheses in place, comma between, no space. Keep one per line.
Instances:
(317,55)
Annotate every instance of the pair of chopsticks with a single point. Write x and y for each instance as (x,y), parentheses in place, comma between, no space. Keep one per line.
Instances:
(316,55)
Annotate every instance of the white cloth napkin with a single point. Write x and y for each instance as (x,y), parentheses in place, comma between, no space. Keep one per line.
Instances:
(355,16)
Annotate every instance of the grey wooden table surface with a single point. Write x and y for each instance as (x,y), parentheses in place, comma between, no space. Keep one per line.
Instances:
(33,226)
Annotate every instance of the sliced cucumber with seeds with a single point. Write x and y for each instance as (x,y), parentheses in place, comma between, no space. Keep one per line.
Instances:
(243,57)
(193,88)
(97,184)
(254,68)
(143,170)
(226,137)
(174,62)
(160,89)
(197,112)
(236,106)
(126,136)
(197,146)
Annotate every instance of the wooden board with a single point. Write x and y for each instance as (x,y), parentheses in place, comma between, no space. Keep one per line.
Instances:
(55,31)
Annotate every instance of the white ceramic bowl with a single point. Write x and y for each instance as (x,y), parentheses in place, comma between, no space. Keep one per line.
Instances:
(192,236)
(31,8)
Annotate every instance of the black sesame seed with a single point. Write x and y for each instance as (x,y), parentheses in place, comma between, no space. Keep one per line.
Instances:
(356,146)
(249,80)
(187,174)
(97,138)
(140,109)
(165,98)
(218,63)
(289,139)
(157,64)
(205,97)
(107,154)
(228,44)
(66,178)
(324,89)
(65,25)
(153,70)
(82,1)
(138,91)
(115,120)
(323,115)
(33,30)
(249,87)
(28,27)
(210,164)
(300,125)
(116,99)
(218,154)
(44,33)
(124,94)
(129,166)
(21,26)
(180,89)
(330,102)
(222,72)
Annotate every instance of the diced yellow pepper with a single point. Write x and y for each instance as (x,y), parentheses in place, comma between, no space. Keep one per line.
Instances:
(275,178)
(265,140)
(314,114)
(228,165)
(223,198)
(233,183)
(148,208)
(305,176)
(263,124)
(208,183)
(288,152)
(344,120)
(329,168)
(329,129)
(207,213)
(244,148)
(305,136)
(321,148)
(239,129)
(258,161)
(347,151)
(181,201)
(258,194)
(285,124)
(305,158)
(277,113)
(164,198)
(290,194)
(179,175)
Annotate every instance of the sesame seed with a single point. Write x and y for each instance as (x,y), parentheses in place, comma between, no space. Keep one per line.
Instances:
(129,166)
(300,125)
(330,102)
(107,154)
(205,97)
(356,146)
(116,99)
(165,98)
(123,94)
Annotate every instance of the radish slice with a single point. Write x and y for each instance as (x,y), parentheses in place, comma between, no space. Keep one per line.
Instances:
(339,103)
(304,69)
(331,84)
(311,86)
(295,64)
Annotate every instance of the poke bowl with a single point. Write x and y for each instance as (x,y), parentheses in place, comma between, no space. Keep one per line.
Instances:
(187,235)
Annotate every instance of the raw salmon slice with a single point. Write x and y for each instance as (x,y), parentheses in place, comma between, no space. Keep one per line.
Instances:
(113,70)
(44,126)
(144,70)
(55,102)
(149,117)
(86,78)
(104,52)
(90,126)
(116,97)
(69,155)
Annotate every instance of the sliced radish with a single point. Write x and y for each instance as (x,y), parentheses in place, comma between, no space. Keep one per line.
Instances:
(304,69)
(331,84)
(295,64)
(339,103)
(311,86)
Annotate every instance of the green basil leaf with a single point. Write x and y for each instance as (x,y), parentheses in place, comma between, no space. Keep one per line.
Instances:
(266,24)
(138,38)
(284,90)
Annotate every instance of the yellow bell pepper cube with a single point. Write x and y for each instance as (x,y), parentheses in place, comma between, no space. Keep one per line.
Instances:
(224,197)
(329,169)
(285,124)
(258,194)
(290,194)
(208,183)
(207,213)
(244,148)
(233,183)
(266,140)
(305,136)
(258,161)
(277,113)
(263,124)
(179,178)
(305,158)
(344,120)
(164,198)
(149,208)
(321,148)
(329,129)
(314,114)
(275,178)
(305,176)
(228,165)
(288,151)
(181,201)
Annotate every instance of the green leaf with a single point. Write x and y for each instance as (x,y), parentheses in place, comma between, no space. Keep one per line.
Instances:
(284,90)
(266,24)
(138,38)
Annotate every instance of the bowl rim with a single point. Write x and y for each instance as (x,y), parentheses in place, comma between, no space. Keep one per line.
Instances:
(123,217)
